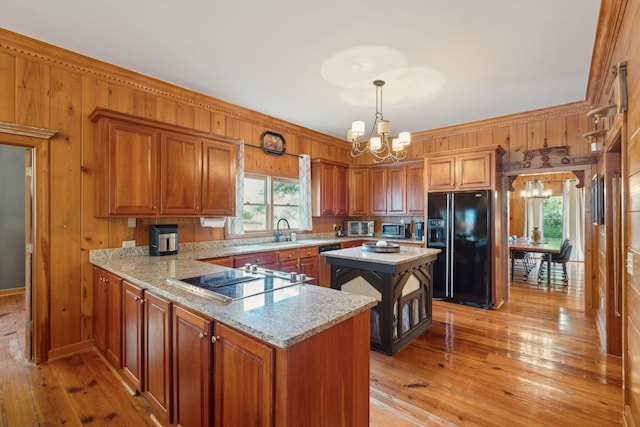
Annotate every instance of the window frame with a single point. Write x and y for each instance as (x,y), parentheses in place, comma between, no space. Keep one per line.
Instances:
(269,206)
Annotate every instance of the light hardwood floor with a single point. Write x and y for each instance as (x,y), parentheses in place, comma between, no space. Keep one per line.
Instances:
(535,361)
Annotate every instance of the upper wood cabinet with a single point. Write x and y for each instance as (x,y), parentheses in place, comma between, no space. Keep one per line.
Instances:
(388,190)
(415,189)
(466,169)
(358,190)
(329,188)
(156,169)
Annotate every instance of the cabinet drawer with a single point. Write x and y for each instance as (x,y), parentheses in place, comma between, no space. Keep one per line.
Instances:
(287,255)
(308,252)
(225,261)
(260,258)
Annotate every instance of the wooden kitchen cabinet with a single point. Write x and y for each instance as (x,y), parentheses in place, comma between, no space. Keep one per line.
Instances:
(415,189)
(244,372)
(145,168)
(329,188)
(157,368)
(309,263)
(113,349)
(466,169)
(267,260)
(225,261)
(192,368)
(132,334)
(107,314)
(100,309)
(180,177)
(288,260)
(218,178)
(388,190)
(358,190)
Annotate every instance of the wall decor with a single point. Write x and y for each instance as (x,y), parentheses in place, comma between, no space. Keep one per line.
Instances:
(273,143)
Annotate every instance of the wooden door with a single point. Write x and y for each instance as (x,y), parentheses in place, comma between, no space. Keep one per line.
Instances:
(328,189)
(157,356)
(132,333)
(440,174)
(218,178)
(180,175)
(415,189)
(113,350)
(340,181)
(192,373)
(244,379)
(100,308)
(133,170)
(397,190)
(358,191)
(474,171)
(309,266)
(378,193)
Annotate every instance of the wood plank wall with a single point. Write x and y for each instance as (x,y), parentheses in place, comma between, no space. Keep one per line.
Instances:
(42,85)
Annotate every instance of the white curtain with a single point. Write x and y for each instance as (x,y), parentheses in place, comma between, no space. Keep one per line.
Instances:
(533,213)
(304,175)
(573,218)
(235,225)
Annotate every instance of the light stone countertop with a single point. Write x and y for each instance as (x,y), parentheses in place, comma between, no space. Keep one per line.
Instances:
(281,318)
(406,254)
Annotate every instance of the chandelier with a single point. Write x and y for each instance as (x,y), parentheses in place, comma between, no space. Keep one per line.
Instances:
(536,191)
(379,145)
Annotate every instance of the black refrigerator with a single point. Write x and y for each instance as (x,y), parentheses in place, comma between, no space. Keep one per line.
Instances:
(459,223)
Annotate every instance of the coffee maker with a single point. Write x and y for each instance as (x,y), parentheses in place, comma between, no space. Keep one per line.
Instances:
(163,239)
(419,230)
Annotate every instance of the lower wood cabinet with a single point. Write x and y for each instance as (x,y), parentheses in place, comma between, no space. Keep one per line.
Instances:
(132,333)
(192,379)
(113,349)
(267,260)
(157,372)
(244,379)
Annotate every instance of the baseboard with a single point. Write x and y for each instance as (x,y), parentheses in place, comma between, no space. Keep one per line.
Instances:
(70,349)
(12,291)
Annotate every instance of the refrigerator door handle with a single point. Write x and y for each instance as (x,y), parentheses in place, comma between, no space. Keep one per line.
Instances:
(450,249)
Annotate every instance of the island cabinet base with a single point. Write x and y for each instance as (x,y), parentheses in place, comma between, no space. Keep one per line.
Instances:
(324,380)
(404,292)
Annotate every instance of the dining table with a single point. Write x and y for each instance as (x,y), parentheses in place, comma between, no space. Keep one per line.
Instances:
(525,244)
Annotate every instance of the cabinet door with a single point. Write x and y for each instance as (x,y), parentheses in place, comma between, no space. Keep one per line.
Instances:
(358,190)
(218,178)
(378,180)
(340,194)
(415,189)
(192,372)
(397,190)
(440,174)
(133,328)
(100,308)
(180,175)
(309,266)
(133,170)
(327,189)
(474,171)
(157,356)
(113,350)
(244,385)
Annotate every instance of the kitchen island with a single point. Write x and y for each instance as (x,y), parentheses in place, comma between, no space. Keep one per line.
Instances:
(296,356)
(400,281)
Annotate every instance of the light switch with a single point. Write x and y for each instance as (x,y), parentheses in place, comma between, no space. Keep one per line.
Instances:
(630,263)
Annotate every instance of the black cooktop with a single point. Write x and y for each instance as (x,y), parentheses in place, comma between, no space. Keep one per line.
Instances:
(231,285)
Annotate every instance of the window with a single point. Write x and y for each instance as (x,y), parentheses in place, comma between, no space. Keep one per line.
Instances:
(267,199)
(553,217)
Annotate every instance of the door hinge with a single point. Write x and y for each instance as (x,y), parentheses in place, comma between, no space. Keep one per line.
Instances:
(27,171)
(29,248)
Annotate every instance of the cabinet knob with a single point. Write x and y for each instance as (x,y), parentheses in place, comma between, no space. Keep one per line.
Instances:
(202,335)
(215,339)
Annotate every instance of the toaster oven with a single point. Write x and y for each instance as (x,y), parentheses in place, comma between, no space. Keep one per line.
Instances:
(359,228)
(394,230)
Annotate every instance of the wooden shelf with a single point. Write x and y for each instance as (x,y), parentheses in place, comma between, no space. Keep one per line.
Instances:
(606,111)
(595,133)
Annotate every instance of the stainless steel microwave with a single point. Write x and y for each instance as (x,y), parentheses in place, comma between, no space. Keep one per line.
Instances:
(395,231)
(359,228)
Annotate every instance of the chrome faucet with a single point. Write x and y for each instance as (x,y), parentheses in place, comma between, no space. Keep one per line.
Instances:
(278,233)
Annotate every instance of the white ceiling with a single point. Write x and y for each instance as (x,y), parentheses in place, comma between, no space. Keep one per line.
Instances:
(310,62)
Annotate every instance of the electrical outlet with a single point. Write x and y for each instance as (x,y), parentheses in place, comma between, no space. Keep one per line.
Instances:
(128,243)
(335,227)
(131,222)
